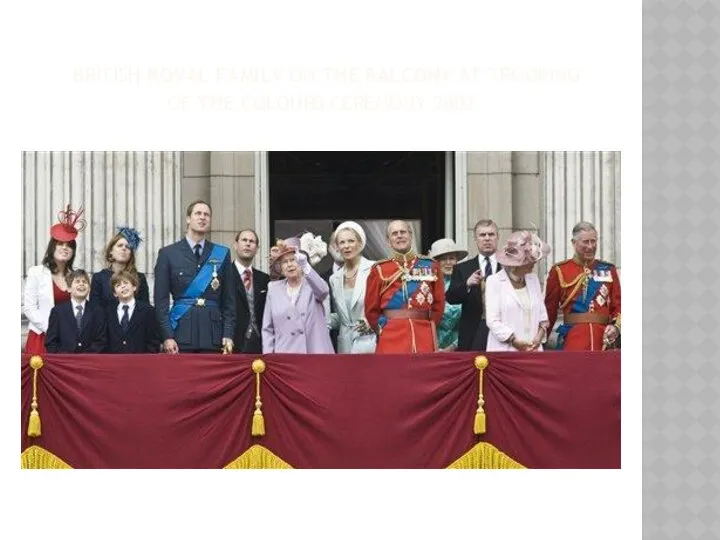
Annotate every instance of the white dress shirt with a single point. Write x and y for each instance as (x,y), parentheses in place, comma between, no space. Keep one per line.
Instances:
(493,263)
(241,269)
(131,308)
(75,304)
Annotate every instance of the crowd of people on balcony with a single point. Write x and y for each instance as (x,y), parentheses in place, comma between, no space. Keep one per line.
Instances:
(208,298)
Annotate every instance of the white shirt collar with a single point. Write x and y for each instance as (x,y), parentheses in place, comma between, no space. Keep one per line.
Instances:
(492,257)
(75,304)
(242,268)
(130,304)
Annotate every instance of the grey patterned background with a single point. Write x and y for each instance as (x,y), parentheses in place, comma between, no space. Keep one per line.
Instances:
(681,235)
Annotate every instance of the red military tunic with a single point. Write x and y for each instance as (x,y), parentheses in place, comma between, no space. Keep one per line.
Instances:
(404,302)
(589,297)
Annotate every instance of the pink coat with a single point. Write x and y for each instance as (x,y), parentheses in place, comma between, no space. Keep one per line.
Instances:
(296,328)
(503,312)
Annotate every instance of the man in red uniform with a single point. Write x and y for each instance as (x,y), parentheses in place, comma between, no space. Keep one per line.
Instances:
(588,293)
(405,296)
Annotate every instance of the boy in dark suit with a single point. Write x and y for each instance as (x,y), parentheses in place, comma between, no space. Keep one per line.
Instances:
(76,326)
(131,325)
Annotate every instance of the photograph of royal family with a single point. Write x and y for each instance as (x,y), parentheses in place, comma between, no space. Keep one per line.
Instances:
(211,298)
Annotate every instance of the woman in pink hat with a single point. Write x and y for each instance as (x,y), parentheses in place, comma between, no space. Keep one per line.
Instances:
(294,316)
(45,285)
(514,303)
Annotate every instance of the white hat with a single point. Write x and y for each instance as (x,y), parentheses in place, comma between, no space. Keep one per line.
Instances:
(355,227)
(445,246)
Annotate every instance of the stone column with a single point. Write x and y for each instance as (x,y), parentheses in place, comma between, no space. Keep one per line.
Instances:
(489,192)
(136,189)
(232,195)
(582,186)
(195,182)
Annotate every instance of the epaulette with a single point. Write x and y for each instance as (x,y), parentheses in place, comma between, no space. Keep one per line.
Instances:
(563,262)
(383,261)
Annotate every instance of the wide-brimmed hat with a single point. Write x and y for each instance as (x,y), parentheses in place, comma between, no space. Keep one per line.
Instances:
(445,246)
(521,248)
(354,227)
(69,225)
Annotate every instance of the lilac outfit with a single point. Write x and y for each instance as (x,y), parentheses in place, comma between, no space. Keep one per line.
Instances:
(298,327)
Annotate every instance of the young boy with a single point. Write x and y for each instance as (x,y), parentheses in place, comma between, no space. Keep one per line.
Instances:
(131,325)
(76,326)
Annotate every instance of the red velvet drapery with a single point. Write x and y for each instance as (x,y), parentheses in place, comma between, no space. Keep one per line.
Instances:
(544,410)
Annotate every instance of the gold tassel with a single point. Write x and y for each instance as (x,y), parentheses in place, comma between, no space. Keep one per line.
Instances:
(481,363)
(34,425)
(258,421)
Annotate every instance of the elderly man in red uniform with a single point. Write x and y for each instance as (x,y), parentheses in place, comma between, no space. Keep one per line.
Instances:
(587,291)
(405,296)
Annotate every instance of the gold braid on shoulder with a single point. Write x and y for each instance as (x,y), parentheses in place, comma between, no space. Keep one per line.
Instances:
(576,283)
(388,281)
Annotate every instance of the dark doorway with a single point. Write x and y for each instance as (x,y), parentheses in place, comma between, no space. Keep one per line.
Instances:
(334,186)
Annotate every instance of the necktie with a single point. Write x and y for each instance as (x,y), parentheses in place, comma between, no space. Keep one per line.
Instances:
(488,267)
(247,279)
(197,252)
(78,316)
(125,322)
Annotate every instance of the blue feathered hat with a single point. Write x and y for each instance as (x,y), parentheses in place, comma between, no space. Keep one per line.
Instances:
(132,237)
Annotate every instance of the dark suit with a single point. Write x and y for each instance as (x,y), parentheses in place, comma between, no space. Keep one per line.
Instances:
(201,328)
(141,337)
(249,340)
(63,336)
(473,331)
(102,294)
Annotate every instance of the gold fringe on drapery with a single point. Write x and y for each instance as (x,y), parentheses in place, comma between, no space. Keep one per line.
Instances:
(34,425)
(485,456)
(258,421)
(36,457)
(258,457)
(481,363)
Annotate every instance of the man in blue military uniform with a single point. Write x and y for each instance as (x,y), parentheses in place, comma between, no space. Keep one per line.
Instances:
(197,273)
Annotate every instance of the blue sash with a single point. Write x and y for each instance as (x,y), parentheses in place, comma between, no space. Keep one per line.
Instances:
(581,304)
(399,299)
(197,286)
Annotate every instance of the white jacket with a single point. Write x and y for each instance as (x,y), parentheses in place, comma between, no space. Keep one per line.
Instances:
(503,310)
(38,298)
(349,341)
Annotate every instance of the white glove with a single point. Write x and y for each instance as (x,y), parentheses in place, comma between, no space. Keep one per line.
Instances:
(302,261)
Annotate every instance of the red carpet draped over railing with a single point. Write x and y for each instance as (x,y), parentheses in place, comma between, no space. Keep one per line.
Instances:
(543,410)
